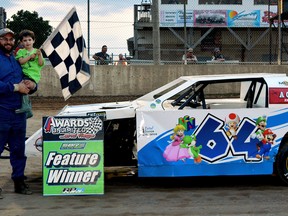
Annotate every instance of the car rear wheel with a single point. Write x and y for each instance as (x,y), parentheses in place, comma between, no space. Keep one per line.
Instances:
(282,164)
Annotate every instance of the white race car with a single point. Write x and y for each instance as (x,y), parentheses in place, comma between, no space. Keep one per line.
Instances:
(232,124)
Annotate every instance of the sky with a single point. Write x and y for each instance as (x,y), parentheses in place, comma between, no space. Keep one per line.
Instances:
(111,21)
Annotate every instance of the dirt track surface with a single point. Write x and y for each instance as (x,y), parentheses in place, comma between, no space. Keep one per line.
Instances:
(130,195)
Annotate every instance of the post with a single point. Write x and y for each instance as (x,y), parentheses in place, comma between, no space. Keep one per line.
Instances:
(185,32)
(270,32)
(136,52)
(156,32)
(279,32)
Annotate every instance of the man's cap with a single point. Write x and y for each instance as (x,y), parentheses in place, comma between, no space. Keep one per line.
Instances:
(190,50)
(216,49)
(5,31)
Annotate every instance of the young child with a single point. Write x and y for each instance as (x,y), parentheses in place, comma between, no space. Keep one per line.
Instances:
(32,61)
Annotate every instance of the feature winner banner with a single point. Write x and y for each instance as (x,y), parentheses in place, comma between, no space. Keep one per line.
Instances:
(73,155)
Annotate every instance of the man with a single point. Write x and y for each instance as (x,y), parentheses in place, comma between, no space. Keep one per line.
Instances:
(121,61)
(12,124)
(102,57)
(217,56)
(189,57)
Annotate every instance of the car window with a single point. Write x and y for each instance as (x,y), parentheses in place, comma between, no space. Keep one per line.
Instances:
(224,94)
(170,88)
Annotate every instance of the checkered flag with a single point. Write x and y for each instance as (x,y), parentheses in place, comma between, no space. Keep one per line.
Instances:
(66,50)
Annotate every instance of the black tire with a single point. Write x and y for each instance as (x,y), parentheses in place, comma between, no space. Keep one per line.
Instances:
(282,164)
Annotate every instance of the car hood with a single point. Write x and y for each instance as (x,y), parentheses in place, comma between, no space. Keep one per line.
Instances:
(113,110)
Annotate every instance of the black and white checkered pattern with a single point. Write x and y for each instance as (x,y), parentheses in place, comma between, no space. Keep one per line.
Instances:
(66,50)
(95,125)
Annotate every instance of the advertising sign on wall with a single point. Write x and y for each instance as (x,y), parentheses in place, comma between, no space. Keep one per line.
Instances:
(175,18)
(210,18)
(217,18)
(243,18)
(73,155)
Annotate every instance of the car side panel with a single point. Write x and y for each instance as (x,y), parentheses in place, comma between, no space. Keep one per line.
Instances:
(220,150)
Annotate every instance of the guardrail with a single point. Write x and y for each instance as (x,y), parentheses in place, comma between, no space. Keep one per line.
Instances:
(151,62)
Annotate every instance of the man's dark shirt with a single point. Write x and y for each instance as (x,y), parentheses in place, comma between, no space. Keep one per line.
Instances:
(10,73)
(105,56)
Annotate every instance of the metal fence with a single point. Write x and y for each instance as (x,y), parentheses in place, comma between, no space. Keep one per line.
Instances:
(113,24)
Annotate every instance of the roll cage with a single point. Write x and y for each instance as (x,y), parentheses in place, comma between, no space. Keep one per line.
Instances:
(196,95)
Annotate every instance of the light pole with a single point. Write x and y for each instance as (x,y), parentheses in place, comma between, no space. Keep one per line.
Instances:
(88,28)
(156,33)
(185,31)
(279,32)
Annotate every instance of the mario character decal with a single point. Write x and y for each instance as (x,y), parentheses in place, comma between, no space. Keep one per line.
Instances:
(265,137)
(265,145)
(193,150)
(173,151)
(232,122)
(183,146)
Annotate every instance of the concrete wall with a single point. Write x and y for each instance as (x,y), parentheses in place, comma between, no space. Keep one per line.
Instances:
(140,79)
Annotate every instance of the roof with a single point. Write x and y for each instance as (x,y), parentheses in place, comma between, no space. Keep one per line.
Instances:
(233,76)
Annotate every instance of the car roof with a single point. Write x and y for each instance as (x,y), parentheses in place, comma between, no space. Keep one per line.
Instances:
(233,76)
(272,79)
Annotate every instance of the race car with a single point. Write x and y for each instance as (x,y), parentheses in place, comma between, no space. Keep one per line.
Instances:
(225,124)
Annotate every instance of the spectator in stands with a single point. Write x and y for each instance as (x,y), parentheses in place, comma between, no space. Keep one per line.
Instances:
(189,58)
(217,56)
(102,57)
(121,61)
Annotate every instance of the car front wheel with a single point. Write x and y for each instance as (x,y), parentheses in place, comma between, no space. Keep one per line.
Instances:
(282,164)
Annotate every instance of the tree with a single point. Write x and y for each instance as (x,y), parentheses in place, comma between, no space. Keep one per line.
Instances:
(27,20)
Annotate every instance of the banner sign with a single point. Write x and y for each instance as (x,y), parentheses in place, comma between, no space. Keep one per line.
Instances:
(243,18)
(175,18)
(211,18)
(73,155)
(218,18)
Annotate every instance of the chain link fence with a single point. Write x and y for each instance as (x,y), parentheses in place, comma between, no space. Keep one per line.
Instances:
(127,28)
(242,34)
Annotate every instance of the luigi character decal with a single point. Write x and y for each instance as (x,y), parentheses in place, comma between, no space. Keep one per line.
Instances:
(261,123)
(266,138)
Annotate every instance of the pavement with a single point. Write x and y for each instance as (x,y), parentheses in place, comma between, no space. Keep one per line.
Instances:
(36,204)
